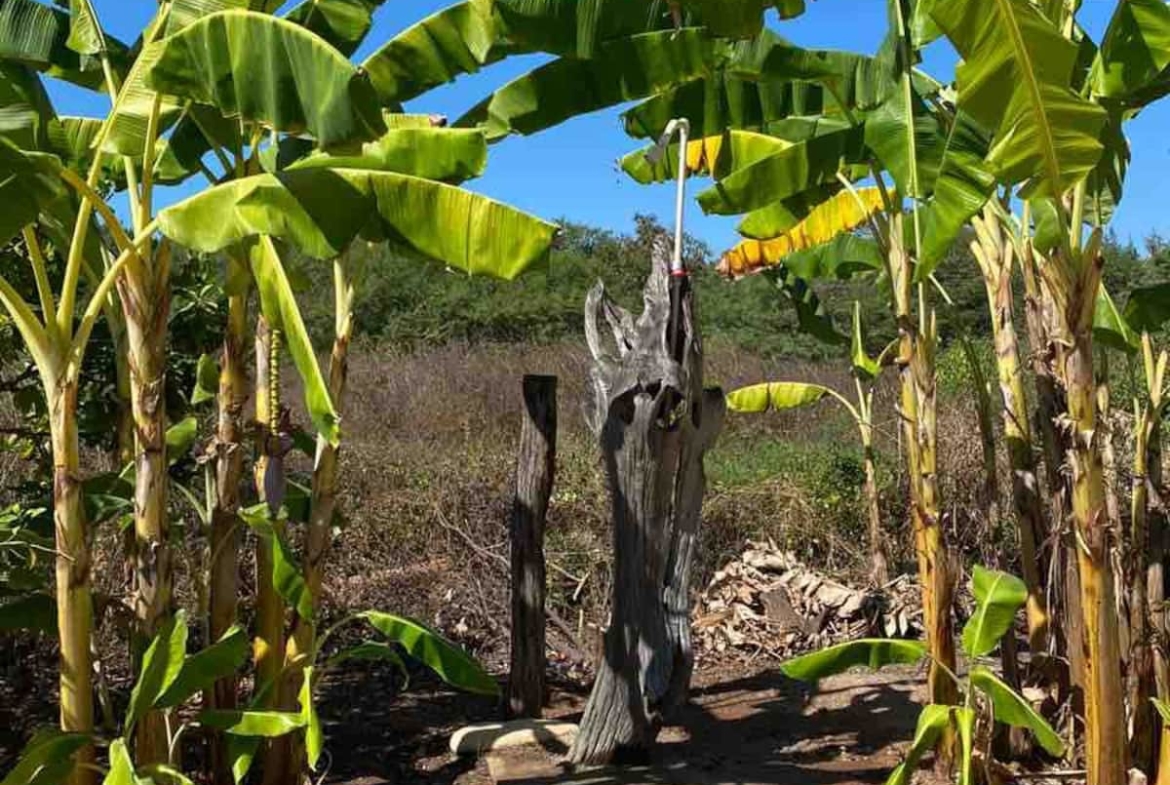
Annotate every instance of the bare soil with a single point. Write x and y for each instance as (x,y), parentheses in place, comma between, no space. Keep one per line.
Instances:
(743,726)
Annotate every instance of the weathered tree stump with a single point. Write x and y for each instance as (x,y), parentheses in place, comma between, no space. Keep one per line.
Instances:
(535,465)
(654,423)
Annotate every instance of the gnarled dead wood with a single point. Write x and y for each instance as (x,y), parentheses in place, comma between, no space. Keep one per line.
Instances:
(654,423)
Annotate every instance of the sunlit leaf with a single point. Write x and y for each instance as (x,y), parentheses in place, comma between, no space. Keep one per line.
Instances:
(160,667)
(870,652)
(448,661)
(998,597)
(1012,709)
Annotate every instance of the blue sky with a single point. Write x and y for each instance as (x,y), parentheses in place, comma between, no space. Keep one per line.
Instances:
(570,170)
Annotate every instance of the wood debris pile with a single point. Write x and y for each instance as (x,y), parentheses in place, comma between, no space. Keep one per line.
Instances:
(767,601)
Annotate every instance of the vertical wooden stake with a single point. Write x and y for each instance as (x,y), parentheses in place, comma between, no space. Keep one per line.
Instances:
(535,465)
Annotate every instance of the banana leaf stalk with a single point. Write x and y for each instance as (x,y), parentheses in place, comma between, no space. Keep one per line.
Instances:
(323,504)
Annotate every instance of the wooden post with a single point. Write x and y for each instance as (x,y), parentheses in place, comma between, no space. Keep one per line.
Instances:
(535,466)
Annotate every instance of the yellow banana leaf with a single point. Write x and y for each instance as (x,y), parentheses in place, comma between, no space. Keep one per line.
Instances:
(840,213)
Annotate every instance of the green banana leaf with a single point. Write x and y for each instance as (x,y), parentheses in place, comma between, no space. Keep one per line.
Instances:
(449,155)
(794,170)
(455,41)
(1015,78)
(576,28)
(839,259)
(133,106)
(1148,308)
(722,101)
(933,720)
(321,210)
(965,719)
(343,23)
(314,735)
(1110,326)
(186,12)
(623,70)
(998,597)
(85,32)
(253,723)
(26,113)
(279,304)
(777,218)
(811,315)
(1104,186)
(908,143)
(1011,709)
(39,36)
(720,155)
(206,380)
(774,395)
(121,766)
(369,651)
(447,660)
(1132,63)
(286,576)
(197,130)
(202,669)
(47,758)
(740,18)
(962,187)
(160,667)
(29,183)
(268,71)
(866,367)
(873,653)
(857,82)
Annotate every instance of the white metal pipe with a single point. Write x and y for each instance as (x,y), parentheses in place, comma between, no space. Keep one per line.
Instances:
(682,127)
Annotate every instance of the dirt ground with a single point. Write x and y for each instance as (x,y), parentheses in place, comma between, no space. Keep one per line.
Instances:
(748,727)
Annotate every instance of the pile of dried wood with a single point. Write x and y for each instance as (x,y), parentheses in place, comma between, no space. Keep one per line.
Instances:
(768,602)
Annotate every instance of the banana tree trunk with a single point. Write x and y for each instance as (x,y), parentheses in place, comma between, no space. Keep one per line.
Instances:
(995,259)
(145,295)
(918,413)
(1105,747)
(1157,532)
(74,600)
(223,579)
(1143,551)
(1062,575)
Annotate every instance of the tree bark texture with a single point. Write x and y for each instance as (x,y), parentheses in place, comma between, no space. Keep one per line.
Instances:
(74,600)
(145,295)
(653,430)
(535,468)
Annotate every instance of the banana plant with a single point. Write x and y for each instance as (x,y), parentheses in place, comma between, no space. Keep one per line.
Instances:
(782,396)
(167,115)
(985,699)
(1055,103)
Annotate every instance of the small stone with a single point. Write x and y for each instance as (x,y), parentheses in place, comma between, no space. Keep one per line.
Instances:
(474,739)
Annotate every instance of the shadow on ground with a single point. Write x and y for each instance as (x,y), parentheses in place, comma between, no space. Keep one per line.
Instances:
(761,729)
